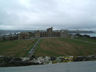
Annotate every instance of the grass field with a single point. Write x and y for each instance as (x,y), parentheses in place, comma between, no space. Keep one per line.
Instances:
(17,48)
(86,39)
(66,47)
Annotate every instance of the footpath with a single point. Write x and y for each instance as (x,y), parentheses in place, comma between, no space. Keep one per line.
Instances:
(33,49)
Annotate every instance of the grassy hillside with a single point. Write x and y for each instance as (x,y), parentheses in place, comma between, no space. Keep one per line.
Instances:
(17,48)
(61,46)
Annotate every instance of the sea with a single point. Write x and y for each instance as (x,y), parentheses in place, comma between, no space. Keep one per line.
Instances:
(90,34)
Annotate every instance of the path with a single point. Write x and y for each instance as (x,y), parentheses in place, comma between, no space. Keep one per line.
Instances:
(32,51)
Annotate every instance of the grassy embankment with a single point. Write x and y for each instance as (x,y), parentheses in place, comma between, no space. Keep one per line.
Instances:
(65,47)
(17,48)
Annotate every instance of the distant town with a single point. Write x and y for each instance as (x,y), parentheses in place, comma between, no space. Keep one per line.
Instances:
(41,33)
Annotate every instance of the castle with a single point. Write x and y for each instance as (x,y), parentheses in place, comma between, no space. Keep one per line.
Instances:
(48,33)
(37,34)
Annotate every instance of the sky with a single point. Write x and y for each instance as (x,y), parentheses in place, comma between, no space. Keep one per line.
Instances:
(41,14)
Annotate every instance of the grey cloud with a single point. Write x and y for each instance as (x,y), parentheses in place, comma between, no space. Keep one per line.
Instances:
(40,14)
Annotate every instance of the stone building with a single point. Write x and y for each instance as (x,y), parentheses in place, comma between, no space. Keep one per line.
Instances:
(9,37)
(6,37)
(24,35)
(50,30)
(48,33)
(43,34)
(64,34)
(37,34)
(51,33)
(13,36)
(1,38)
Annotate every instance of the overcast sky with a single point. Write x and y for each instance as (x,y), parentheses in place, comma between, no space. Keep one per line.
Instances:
(41,14)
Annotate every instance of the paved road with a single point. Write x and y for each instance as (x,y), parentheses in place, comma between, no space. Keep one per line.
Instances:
(64,67)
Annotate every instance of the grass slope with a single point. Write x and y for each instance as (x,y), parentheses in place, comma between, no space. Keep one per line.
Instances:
(17,48)
(61,46)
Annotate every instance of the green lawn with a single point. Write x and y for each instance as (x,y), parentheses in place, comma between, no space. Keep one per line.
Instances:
(17,48)
(48,47)
(86,39)
(66,47)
